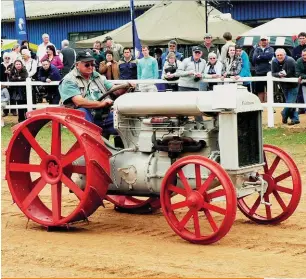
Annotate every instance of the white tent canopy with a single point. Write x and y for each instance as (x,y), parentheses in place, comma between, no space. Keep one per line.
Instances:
(280,31)
(183,21)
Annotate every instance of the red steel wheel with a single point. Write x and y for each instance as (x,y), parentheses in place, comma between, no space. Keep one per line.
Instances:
(195,214)
(134,204)
(37,184)
(283,192)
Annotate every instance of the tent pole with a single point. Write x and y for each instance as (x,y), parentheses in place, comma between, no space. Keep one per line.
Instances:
(206,17)
(133,22)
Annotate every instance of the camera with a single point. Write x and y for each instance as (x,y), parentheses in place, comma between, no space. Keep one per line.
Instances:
(196,79)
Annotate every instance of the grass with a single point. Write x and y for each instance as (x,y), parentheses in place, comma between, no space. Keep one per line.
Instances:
(276,136)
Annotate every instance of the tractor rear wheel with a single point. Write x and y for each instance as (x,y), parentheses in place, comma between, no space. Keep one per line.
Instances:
(205,213)
(38,165)
(283,192)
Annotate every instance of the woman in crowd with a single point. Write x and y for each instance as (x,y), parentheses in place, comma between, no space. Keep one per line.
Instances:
(25,44)
(169,69)
(30,64)
(53,57)
(48,73)
(232,64)
(246,66)
(15,53)
(19,73)
(109,68)
(213,69)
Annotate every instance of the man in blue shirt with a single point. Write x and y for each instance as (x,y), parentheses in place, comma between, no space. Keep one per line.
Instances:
(147,69)
(172,47)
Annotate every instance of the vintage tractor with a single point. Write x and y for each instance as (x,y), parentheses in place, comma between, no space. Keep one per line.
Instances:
(197,155)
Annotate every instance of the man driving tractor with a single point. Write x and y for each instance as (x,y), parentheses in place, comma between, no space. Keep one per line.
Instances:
(84,89)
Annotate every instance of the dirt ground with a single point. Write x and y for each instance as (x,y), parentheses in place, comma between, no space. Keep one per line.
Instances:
(122,245)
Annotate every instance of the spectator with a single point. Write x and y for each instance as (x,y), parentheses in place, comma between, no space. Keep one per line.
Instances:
(48,73)
(15,53)
(301,74)
(6,66)
(19,73)
(262,56)
(97,53)
(69,56)
(191,71)
(213,69)
(147,68)
(207,47)
(117,49)
(26,44)
(30,64)
(245,68)
(297,51)
(284,66)
(170,67)
(172,47)
(127,65)
(232,64)
(109,68)
(42,48)
(5,98)
(227,36)
(2,52)
(53,57)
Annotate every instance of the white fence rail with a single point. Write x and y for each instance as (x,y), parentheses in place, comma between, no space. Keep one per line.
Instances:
(270,105)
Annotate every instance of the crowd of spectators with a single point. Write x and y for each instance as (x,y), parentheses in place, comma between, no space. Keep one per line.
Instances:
(114,61)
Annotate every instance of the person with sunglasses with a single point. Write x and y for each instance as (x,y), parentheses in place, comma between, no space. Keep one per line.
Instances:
(207,47)
(83,87)
(213,69)
(172,47)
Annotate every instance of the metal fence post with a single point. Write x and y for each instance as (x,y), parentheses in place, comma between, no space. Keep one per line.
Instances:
(270,100)
(29,94)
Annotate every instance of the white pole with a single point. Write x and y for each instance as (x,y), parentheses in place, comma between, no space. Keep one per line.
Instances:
(270,100)
(29,94)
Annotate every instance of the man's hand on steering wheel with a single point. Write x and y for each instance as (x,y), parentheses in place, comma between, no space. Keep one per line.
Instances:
(106,103)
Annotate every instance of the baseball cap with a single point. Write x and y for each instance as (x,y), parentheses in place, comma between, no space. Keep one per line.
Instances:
(264,37)
(84,56)
(196,48)
(207,35)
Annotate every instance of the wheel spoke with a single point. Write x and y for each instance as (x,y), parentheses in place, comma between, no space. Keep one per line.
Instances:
(78,169)
(184,181)
(283,189)
(177,190)
(274,165)
(75,146)
(56,191)
(280,200)
(56,139)
(211,220)
(214,208)
(24,167)
(196,223)
(33,142)
(198,175)
(282,176)
(185,219)
(216,194)
(179,205)
(72,186)
(254,207)
(71,156)
(34,193)
(206,183)
(266,167)
(268,207)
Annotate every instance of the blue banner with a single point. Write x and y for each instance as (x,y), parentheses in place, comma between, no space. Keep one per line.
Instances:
(20,20)
(136,42)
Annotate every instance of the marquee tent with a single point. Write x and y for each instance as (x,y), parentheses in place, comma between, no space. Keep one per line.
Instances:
(183,21)
(281,32)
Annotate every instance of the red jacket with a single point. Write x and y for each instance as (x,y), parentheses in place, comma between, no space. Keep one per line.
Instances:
(56,61)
